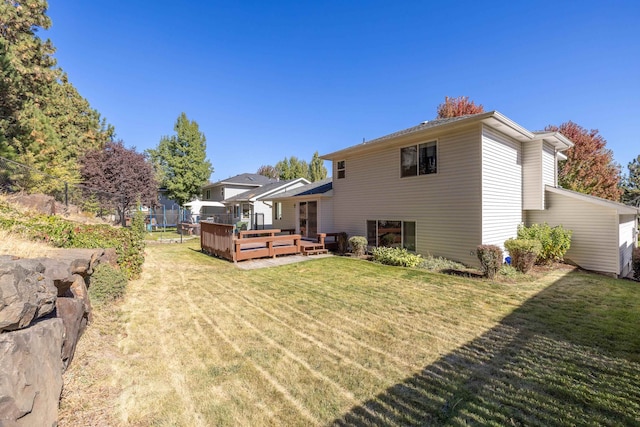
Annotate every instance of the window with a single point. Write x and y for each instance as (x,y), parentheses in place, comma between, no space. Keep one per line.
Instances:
(392,234)
(418,159)
(246,210)
(277,210)
(341,169)
(207,195)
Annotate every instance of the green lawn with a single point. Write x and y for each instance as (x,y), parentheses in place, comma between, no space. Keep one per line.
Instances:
(348,342)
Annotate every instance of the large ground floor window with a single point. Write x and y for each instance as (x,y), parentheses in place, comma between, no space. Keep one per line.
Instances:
(392,233)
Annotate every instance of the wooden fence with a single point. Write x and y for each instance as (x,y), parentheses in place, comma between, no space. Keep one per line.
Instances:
(217,239)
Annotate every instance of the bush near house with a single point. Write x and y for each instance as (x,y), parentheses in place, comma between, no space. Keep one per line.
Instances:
(396,256)
(343,242)
(523,253)
(555,241)
(636,263)
(490,257)
(358,245)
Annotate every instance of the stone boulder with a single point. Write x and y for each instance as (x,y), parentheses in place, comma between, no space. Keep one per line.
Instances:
(25,295)
(31,374)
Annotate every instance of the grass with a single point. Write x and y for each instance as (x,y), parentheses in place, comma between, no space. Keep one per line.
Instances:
(347,342)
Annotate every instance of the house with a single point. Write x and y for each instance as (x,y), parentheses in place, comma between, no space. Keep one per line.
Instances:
(307,209)
(448,185)
(243,199)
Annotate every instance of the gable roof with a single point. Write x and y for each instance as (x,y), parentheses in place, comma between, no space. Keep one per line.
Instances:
(248,179)
(621,208)
(322,187)
(265,190)
(492,119)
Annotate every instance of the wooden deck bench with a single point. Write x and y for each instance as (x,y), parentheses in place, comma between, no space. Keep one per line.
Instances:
(258,233)
(266,246)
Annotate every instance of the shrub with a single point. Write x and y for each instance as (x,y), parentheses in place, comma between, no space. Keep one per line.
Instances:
(636,263)
(343,242)
(396,256)
(358,245)
(107,283)
(523,253)
(555,241)
(490,257)
(432,263)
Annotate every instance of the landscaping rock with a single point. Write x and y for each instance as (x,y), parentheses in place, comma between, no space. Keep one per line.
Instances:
(25,295)
(72,313)
(31,374)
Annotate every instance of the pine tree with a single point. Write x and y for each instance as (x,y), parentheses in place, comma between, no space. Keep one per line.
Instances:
(317,171)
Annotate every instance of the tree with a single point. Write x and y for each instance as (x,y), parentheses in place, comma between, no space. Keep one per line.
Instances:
(292,168)
(455,107)
(268,171)
(182,161)
(317,171)
(44,122)
(123,172)
(589,167)
(631,184)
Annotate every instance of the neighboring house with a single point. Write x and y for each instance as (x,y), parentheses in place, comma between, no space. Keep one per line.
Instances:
(254,206)
(226,188)
(448,185)
(307,209)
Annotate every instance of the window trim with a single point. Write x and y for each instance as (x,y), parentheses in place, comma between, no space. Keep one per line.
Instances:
(417,147)
(340,169)
(402,231)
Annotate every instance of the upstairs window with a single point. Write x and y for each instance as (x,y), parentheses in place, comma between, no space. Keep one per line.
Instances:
(341,169)
(418,159)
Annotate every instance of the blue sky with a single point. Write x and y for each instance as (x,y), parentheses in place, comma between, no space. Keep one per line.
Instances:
(265,80)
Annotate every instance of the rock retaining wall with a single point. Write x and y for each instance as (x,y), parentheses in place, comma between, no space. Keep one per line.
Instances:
(44,309)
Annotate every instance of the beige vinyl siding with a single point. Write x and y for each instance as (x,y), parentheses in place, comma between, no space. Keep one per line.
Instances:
(446,206)
(288,216)
(548,165)
(325,215)
(594,244)
(532,188)
(501,187)
(627,242)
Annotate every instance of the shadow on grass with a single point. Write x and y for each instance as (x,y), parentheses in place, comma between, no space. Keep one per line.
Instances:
(568,356)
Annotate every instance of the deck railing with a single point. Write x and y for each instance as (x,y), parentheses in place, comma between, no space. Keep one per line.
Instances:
(217,239)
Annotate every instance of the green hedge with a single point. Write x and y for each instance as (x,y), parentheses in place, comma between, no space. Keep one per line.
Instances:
(555,241)
(396,256)
(62,233)
(523,253)
(107,283)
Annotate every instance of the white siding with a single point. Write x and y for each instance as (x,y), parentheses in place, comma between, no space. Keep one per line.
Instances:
(594,244)
(627,242)
(446,206)
(325,215)
(532,188)
(548,166)
(501,188)
(260,207)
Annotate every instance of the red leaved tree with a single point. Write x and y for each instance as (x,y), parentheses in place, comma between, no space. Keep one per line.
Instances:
(122,172)
(589,167)
(460,106)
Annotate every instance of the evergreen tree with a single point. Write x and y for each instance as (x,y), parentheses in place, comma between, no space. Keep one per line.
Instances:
(317,171)
(181,161)
(631,184)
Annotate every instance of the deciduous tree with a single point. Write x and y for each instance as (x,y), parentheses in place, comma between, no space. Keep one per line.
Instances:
(292,168)
(460,106)
(182,160)
(268,171)
(589,167)
(123,172)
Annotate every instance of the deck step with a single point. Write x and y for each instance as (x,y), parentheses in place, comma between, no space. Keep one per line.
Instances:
(315,251)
